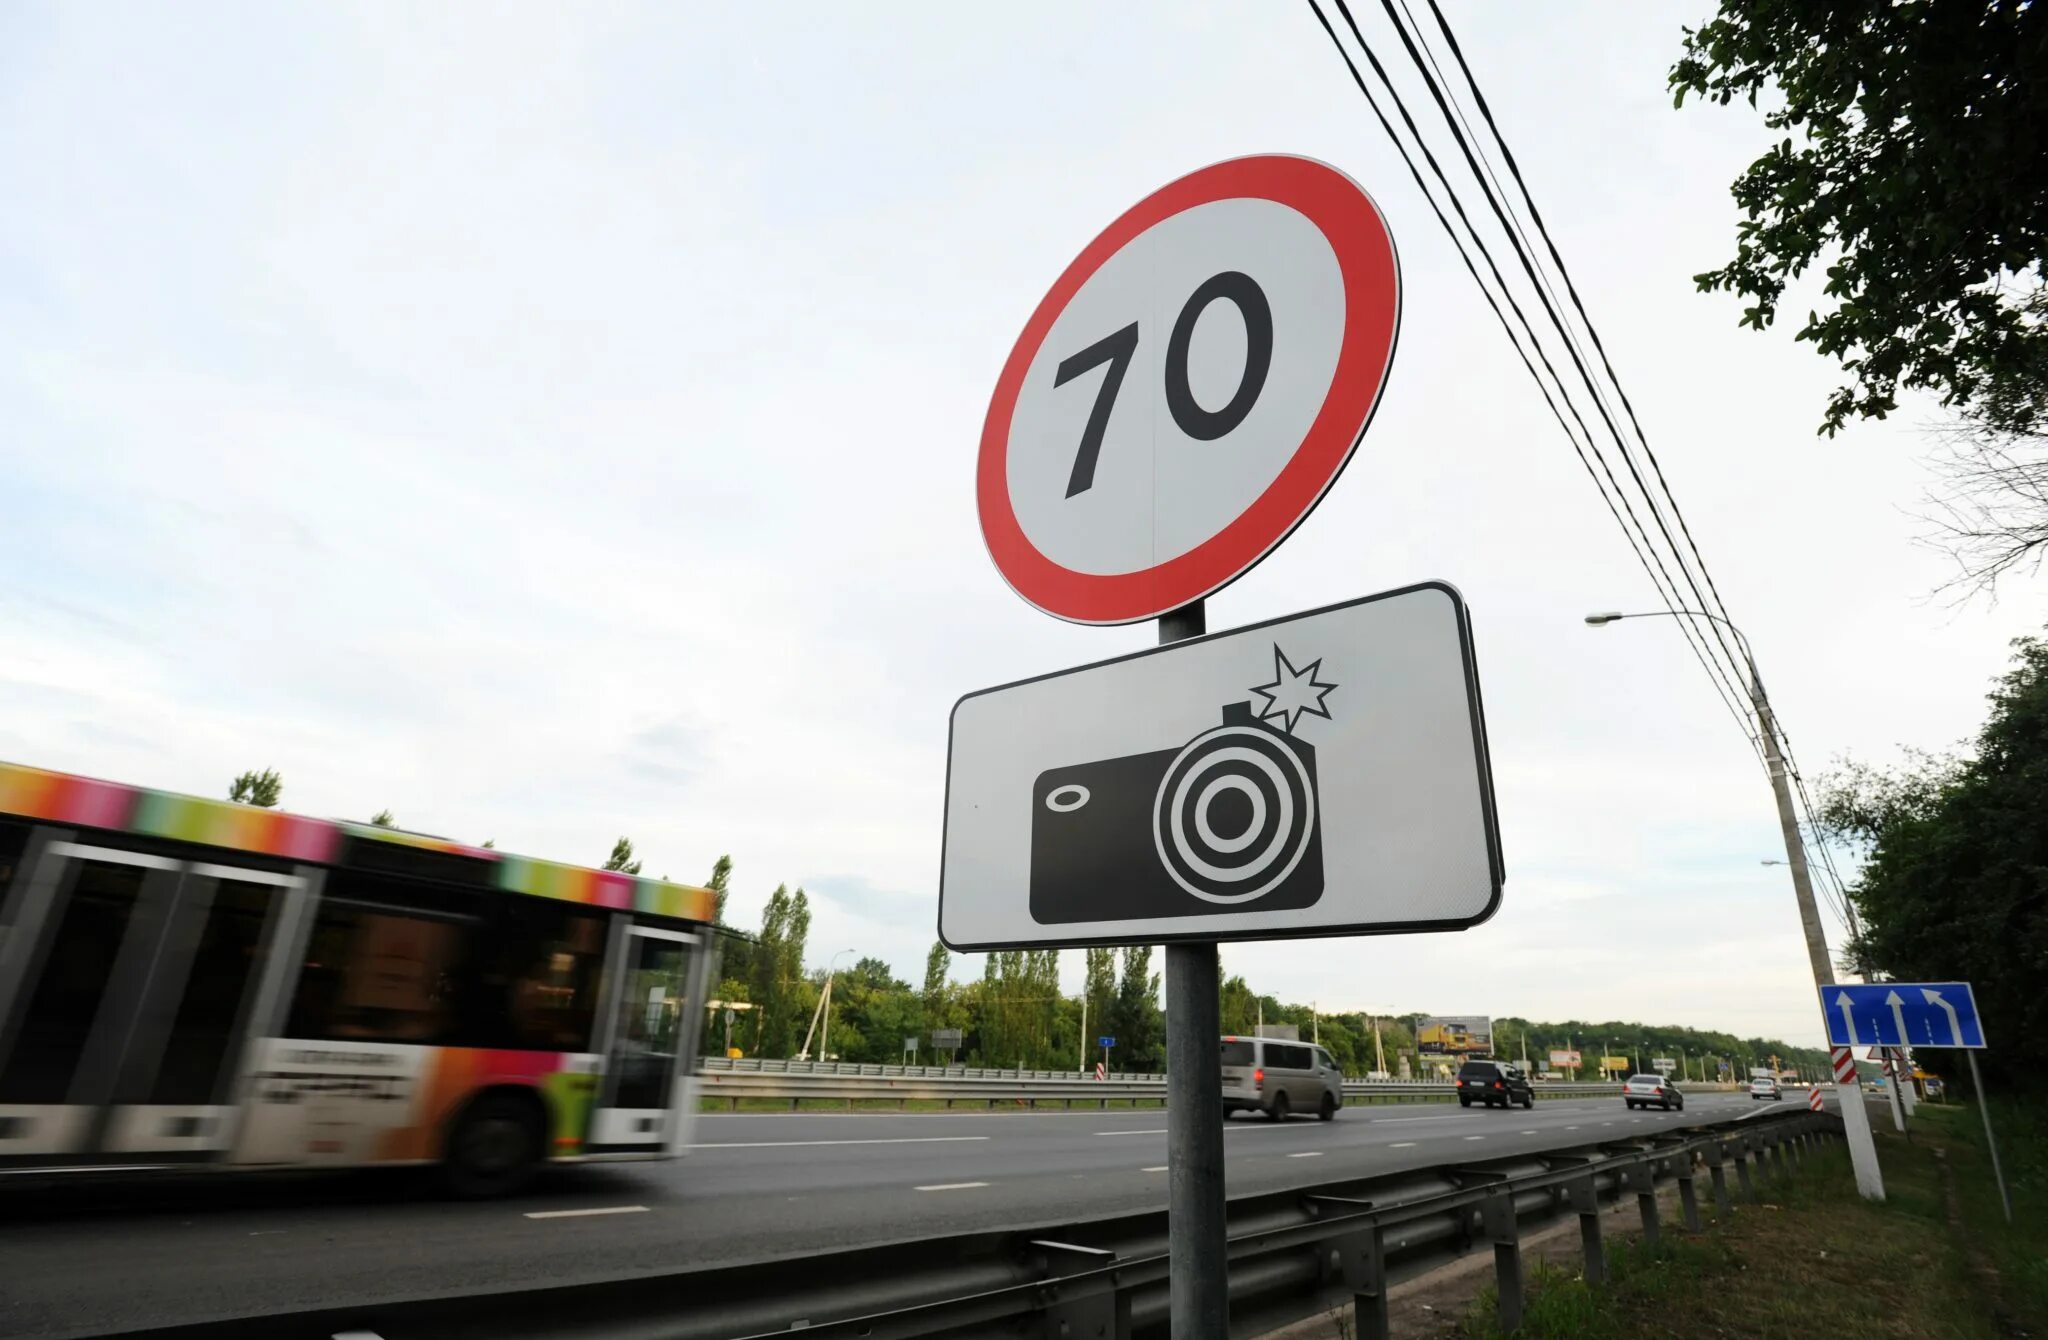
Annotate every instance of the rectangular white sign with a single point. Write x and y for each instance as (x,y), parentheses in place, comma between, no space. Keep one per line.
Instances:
(1321,774)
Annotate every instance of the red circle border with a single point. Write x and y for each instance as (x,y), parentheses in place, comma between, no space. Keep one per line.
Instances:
(1357,232)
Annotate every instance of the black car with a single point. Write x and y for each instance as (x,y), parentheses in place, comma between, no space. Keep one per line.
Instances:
(1492,1082)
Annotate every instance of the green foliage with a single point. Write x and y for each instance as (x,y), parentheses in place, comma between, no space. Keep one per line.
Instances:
(621,858)
(261,789)
(383,819)
(1237,1006)
(782,995)
(1955,882)
(720,885)
(1914,154)
(1135,1019)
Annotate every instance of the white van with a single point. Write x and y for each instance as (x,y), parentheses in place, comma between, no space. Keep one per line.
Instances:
(1280,1078)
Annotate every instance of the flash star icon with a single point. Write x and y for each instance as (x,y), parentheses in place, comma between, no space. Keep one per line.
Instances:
(1293,693)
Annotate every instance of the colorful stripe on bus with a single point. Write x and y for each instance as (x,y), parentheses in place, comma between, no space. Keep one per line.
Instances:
(57,797)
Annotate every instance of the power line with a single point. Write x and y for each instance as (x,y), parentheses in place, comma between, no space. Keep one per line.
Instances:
(1536,215)
(1557,321)
(1646,553)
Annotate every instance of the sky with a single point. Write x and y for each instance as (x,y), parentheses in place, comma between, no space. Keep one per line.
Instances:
(552,423)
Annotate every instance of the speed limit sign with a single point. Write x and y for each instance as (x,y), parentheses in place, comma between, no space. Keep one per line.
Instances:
(1189,389)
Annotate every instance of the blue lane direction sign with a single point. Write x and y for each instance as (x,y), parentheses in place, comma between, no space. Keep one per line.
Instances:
(1105,1042)
(1902,1014)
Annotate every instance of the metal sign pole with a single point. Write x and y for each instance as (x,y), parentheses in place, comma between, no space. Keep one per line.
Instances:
(1198,1287)
(1983,1105)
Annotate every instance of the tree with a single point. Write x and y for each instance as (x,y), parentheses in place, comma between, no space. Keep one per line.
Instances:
(383,819)
(720,885)
(1992,515)
(1954,884)
(937,964)
(1914,149)
(1136,1021)
(1238,1006)
(621,858)
(261,789)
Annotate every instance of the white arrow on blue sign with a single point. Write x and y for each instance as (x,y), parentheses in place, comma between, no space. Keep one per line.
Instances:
(1902,1014)
(1105,1042)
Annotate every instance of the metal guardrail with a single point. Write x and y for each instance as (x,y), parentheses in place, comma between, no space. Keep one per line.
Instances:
(1293,1254)
(834,1081)
(768,1066)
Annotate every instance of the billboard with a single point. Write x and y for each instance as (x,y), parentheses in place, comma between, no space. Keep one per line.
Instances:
(1663,1065)
(1564,1059)
(1613,1064)
(1454,1035)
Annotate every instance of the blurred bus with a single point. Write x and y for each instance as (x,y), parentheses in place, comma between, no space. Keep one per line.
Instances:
(187,981)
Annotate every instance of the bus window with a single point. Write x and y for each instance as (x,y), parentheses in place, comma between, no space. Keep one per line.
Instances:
(59,1015)
(13,847)
(539,990)
(194,1056)
(379,974)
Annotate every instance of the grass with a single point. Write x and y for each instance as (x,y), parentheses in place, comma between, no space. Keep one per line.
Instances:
(1935,1260)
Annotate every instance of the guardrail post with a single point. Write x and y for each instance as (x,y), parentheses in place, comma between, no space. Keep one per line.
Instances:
(1742,1174)
(1094,1308)
(1362,1265)
(1716,1156)
(1497,1215)
(1585,1196)
(1639,1179)
(1688,1195)
(1778,1164)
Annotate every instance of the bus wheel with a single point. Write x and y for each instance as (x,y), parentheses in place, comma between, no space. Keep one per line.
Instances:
(494,1148)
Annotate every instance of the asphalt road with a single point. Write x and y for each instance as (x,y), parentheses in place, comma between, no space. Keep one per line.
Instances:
(80,1259)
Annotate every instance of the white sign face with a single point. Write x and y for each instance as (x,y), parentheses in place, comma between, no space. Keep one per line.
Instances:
(1323,774)
(1189,389)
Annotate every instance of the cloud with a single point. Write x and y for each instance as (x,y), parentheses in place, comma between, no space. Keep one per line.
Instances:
(564,427)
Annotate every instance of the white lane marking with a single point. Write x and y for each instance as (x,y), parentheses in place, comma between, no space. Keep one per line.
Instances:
(584,1214)
(795,1144)
(1391,1121)
(1606,1123)
(1571,1128)
(1160,1168)
(1475,1137)
(1309,1154)
(952,1186)
(1529,1132)
(1160,1131)
(1405,1144)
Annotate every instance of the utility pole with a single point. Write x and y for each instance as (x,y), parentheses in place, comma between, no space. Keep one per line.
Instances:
(1081,1053)
(1855,1117)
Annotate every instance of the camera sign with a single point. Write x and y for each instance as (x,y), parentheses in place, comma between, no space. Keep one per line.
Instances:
(1322,774)
(1188,390)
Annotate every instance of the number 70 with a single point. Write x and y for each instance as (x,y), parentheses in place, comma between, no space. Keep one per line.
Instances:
(1203,425)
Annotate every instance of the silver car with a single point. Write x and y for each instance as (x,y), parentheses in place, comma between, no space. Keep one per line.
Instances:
(1280,1078)
(1765,1088)
(1645,1090)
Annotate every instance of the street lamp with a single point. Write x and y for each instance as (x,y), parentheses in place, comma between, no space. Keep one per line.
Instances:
(1862,1151)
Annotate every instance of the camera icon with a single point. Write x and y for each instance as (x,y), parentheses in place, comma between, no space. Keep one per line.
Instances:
(1230,821)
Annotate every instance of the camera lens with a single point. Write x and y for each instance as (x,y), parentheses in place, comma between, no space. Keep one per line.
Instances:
(1234,814)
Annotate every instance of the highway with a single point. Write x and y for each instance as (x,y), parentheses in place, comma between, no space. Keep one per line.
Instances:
(83,1259)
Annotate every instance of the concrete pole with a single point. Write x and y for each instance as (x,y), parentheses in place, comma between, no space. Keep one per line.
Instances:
(1198,1263)
(1855,1117)
(1081,1052)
